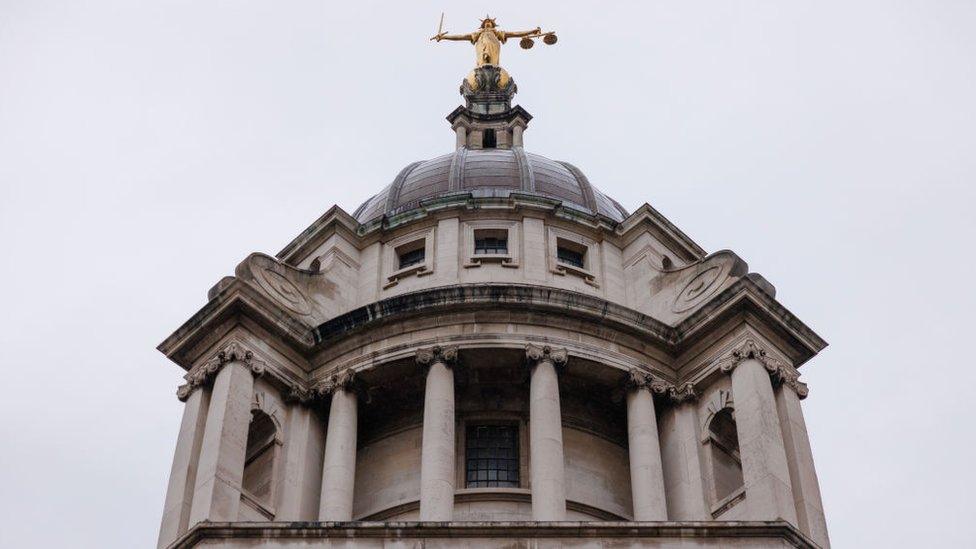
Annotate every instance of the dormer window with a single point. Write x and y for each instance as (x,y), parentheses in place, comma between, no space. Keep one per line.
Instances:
(570,253)
(488,139)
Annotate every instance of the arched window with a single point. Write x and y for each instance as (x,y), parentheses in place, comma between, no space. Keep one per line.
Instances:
(723,444)
(259,461)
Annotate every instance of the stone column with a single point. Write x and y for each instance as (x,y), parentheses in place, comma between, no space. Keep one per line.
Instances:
(220,470)
(437,472)
(546,465)
(302,475)
(646,470)
(765,469)
(339,464)
(182,476)
(681,456)
(806,489)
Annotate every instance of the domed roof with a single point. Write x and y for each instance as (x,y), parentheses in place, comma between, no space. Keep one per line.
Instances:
(489,173)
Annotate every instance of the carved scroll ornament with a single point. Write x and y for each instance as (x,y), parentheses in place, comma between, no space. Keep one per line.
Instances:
(232,352)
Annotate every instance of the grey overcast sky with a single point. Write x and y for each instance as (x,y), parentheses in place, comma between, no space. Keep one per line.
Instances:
(147,147)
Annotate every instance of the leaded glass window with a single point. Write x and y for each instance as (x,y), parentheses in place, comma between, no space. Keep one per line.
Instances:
(491,456)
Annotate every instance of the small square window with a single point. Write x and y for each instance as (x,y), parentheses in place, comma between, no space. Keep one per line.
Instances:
(571,253)
(411,254)
(491,242)
(491,456)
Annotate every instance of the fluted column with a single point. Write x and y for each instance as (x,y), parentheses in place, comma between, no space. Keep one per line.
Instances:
(339,464)
(546,465)
(182,476)
(646,469)
(220,469)
(765,469)
(437,472)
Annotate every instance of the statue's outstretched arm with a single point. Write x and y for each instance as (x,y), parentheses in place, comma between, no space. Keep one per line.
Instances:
(457,37)
(519,34)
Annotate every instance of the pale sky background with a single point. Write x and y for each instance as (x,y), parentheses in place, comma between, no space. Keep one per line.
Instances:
(147,147)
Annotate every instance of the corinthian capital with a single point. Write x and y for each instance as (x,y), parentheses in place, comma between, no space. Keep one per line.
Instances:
(345,379)
(445,355)
(536,354)
(232,352)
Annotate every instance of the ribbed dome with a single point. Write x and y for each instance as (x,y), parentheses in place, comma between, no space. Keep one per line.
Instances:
(489,173)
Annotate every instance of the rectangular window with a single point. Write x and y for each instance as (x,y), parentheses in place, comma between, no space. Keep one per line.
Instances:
(411,254)
(570,253)
(488,140)
(491,242)
(491,456)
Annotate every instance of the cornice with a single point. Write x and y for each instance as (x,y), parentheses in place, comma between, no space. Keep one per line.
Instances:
(334,220)
(237,298)
(671,234)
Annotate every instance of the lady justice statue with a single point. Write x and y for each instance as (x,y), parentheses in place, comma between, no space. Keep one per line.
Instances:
(488,42)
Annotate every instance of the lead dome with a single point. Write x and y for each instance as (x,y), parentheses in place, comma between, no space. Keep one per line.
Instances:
(489,173)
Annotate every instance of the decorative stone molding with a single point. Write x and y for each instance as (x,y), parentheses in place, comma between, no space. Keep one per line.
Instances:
(232,352)
(536,354)
(640,379)
(345,379)
(446,355)
(779,371)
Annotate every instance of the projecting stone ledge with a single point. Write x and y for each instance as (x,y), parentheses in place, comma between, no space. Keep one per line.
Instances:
(659,535)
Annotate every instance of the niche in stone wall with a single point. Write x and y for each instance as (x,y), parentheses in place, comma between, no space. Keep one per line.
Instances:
(260,464)
(723,463)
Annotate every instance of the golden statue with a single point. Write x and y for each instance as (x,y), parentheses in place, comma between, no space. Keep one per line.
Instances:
(488,40)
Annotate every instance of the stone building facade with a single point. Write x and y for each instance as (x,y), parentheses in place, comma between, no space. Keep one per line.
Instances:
(492,352)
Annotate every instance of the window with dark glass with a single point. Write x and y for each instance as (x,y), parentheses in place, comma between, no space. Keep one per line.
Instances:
(488,242)
(488,140)
(411,254)
(491,456)
(259,458)
(570,253)
(726,463)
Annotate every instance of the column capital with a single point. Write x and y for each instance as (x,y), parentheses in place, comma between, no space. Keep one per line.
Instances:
(444,354)
(536,354)
(638,379)
(779,371)
(232,352)
(344,380)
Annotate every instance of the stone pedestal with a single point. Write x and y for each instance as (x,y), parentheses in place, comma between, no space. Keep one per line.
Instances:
(437,472)
(339,464)
(546,464)
(646,470)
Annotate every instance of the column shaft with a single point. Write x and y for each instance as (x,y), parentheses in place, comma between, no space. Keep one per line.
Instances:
(765,470)
(806,489)
(302,478)
(646,470)
(680,453)
(182,476)
(220,470)
(437,472)
(546,466)
(339,465)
